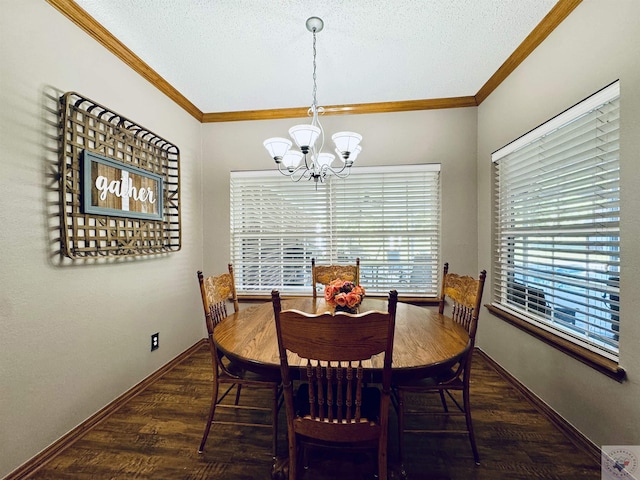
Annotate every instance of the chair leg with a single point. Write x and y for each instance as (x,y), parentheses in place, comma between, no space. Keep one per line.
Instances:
(444,401)
(400,412)
(293,460)
(467,415)
(238,389)
(274,423)
(212,411)
(382,463)
(305,456)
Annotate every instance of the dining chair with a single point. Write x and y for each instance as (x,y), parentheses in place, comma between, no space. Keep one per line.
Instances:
(465,295)
(334,406)
(217,292)
(325,274)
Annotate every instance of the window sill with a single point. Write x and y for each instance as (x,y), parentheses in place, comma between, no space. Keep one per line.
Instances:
(593,360)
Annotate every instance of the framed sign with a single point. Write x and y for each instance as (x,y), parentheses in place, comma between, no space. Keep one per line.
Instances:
(119,185)
(114,188)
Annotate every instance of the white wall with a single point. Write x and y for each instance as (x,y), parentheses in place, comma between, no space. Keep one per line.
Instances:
(594,46)
(434,136)
(74,336)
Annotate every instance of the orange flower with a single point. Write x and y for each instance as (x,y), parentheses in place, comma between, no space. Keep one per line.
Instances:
(353,299)
(358,290)
(341,299)
(330,291)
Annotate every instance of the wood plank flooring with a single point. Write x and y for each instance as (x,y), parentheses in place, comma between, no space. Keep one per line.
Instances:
(156,436)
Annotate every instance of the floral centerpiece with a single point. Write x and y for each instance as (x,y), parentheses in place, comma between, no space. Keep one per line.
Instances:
(344,295)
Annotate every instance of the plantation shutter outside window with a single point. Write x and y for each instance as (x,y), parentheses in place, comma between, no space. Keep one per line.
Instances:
(389,217)
(558,235)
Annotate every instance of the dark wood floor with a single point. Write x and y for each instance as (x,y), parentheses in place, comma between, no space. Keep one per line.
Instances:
(156,435)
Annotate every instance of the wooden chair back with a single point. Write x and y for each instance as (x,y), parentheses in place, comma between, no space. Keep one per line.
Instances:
(325,274)
(333,405)
(216,291)
(465,295)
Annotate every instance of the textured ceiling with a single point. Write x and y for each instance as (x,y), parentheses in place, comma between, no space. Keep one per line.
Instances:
(237,55)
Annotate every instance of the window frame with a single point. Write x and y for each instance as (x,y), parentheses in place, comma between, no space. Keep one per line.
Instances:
(543,322)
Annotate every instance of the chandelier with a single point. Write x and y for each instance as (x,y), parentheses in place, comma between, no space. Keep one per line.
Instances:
(310,162)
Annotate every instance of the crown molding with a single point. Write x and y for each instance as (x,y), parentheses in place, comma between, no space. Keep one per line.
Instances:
(87,23)
(353,109)
(556,15)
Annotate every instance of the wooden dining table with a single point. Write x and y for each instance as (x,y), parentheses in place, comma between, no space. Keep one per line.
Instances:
(424,341)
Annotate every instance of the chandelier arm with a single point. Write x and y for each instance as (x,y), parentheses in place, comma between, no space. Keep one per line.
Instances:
(319,125)
(340,173)
(337,171)
(291,173)
(305,174)
(306,164)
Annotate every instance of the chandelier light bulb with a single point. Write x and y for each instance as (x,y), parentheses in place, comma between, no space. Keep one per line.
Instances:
(277,147)
(292,159)
(354,154)
(305,136)
(325,160)
(346,142)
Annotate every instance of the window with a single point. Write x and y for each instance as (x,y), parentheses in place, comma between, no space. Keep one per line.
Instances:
(557,227)
(389,217)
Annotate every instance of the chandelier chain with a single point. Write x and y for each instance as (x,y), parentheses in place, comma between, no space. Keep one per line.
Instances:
(315,85)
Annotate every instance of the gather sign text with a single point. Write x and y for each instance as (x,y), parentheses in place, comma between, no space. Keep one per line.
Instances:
(115,188)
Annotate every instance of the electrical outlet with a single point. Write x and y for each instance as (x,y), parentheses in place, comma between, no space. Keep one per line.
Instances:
(155,341)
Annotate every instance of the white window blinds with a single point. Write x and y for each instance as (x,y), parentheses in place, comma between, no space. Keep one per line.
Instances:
(558,236)
(389,217)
